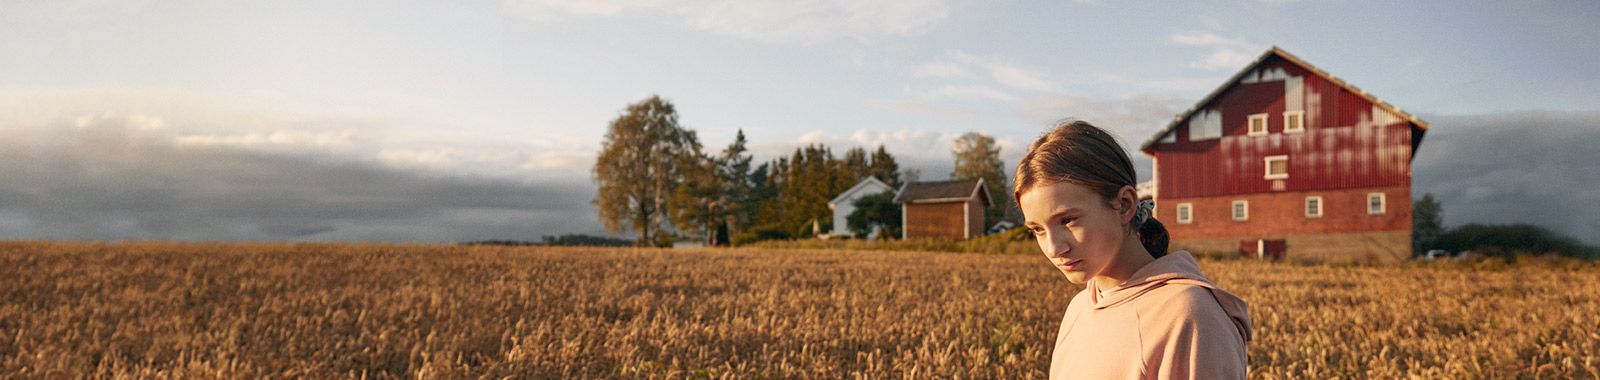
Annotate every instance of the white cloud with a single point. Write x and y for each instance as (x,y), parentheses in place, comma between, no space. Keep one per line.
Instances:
(278,138)
(1225,53)
(553,9)
(924,150)
(929,110)
(941,69)
(972,91)
(1021,78)
(763,20)
(1133,119)
(577,162)
(959,66)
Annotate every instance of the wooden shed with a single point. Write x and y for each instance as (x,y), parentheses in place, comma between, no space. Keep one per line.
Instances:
(1284,151)
(943,209)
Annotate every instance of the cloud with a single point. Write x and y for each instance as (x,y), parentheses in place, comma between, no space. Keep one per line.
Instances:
(1001,71)
(762,20)
(925,150)
(1528,167)
(279,138)
(971,91)
(1134,118)
(1225,53)
(111,177)
(941,70)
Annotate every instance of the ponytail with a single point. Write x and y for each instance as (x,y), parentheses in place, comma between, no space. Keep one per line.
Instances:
(1153,235)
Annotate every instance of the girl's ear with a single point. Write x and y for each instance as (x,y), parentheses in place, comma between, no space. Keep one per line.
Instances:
(1127,203)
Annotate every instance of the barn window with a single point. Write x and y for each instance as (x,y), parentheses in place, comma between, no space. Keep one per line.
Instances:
(1241,210)
(1277,167)
(1258,124)
(1185,213)
(1314,207)
(1294,121)
(1376,204)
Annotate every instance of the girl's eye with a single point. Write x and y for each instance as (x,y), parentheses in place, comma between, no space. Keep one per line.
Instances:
(1036,231)
(1067,221)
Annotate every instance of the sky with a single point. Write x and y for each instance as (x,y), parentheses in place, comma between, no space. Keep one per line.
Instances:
(475,120)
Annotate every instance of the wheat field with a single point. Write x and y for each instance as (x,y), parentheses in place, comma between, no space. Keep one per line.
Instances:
(168,310)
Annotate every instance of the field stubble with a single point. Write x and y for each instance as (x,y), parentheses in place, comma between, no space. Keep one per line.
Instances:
(434,311)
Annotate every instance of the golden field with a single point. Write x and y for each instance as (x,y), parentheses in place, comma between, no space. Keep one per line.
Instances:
(165,310)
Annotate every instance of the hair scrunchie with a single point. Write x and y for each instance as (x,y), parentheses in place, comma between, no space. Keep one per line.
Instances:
(1143,211)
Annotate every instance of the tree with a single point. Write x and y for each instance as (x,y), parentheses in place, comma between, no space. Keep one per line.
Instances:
(739,185)
(1427,217)
(884,167)
(978,157)
(877,210)
(639,166)
(699,200)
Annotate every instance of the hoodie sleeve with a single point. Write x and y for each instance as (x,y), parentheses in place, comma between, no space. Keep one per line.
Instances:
(1190,336)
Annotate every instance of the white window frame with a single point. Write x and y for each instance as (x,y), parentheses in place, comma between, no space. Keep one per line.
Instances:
(1240,210)
(1250,126)
(1318,213)
(1300,119)
(1383,203)
(1185,213)
(1268,167)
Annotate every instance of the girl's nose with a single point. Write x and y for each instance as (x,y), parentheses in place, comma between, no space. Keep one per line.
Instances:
(1059,249)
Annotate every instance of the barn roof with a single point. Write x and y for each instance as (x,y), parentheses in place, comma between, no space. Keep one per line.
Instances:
(943,191)
(1422,126)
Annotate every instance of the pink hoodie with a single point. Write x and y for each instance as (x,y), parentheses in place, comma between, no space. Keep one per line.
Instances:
(1165,322)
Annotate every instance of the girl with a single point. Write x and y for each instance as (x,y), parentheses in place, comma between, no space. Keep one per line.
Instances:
(1144,313)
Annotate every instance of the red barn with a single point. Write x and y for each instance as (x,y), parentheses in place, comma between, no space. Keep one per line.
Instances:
(1286,153)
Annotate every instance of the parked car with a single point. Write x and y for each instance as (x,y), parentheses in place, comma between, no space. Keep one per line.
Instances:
(1436,254)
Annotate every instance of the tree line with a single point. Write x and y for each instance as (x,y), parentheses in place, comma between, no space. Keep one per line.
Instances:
(1504,241)
(656,179)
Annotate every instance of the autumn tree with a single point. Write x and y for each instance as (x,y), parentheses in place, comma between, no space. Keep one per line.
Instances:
(978,157)
(639,168)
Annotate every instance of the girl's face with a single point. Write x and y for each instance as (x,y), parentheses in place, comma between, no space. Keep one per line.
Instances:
(1076,229)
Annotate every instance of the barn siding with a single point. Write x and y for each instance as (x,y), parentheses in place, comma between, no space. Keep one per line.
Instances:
(1348,142)
(975,227)
(933,220)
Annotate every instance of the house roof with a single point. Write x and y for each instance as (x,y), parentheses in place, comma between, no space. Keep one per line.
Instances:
(943,191)
(1422,126)
(868,186)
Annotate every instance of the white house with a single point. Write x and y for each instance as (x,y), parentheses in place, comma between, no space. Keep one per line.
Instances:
(844,204)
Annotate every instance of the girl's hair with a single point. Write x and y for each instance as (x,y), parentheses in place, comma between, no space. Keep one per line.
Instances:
(1083,154)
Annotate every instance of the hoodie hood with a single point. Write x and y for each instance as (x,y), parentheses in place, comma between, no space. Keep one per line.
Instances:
(1176,268)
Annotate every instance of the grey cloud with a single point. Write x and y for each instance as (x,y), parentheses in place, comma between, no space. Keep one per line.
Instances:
(1530,167)
(108,180)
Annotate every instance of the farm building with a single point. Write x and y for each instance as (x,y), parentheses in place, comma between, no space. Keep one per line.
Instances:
(1284,158)
(943,209)
(844,204)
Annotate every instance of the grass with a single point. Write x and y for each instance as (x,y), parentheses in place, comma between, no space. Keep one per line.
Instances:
(161,310)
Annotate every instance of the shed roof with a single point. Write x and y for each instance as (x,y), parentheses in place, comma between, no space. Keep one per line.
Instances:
(943,191)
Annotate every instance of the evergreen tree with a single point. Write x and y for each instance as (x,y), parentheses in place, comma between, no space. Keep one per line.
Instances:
(739,185)
(1427,224)
(883,166)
